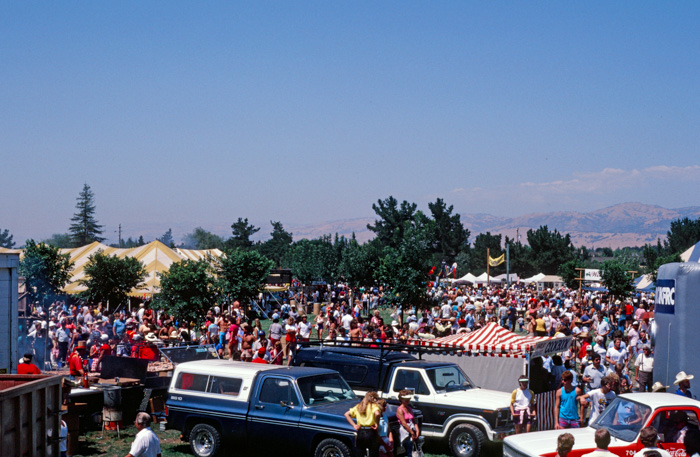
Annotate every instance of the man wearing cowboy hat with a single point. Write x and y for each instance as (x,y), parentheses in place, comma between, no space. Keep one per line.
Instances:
(645,367)
(683,383)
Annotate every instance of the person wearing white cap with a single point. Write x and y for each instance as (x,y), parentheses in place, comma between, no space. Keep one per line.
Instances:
(683,383)
(522,406)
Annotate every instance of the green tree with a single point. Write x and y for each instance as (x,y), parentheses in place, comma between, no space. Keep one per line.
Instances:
(360,261)
(202,239)
(242,274)
(549,249)
(568,272)
(45,269)
(450,236)
(109,279)
(683,234)
(311,260)
(242,231)
(391,225)
(85,229)
(167,238)
(188,290)
(6,239)
(60,240)
(276,247)
(520,258)
(616,278)
(483,243)
(403,269)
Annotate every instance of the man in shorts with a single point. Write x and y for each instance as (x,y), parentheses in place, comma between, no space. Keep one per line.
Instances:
(522,406)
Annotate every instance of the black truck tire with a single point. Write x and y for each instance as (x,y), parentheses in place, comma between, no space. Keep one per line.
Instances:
(466,440)
(205,440)
(331,448)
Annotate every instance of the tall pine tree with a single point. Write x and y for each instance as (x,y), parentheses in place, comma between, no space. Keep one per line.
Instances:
(85,229)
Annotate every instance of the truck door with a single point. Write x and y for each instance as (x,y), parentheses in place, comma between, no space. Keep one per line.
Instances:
(274,414)
(671,425)
(415,380)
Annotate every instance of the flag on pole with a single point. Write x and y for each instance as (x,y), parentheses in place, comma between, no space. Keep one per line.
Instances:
(453,269)
(497,261)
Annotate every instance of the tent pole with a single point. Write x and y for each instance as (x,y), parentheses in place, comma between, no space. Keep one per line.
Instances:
(488,266)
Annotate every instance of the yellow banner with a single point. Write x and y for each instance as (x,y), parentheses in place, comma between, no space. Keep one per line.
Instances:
(497,261)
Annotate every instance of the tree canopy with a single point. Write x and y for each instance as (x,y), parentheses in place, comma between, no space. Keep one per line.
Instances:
(85,229)
(45,269)
(6,239)
(109,279)
(188,290)
(242,231)
(277,246)
(242,274)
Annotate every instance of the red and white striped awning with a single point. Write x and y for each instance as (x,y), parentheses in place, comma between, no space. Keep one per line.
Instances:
(492,340)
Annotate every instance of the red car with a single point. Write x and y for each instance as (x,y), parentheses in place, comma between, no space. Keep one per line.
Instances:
(625,417)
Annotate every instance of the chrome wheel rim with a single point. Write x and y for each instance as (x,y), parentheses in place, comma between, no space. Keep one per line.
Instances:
(203,443)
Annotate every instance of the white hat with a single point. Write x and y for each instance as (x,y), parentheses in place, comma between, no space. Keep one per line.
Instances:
(394,323)
(104,337)
(151,337)
(658,386)
(682,376)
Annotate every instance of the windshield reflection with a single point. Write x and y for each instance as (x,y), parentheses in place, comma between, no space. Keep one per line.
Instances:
(449,378)
(623,418)
(322,389)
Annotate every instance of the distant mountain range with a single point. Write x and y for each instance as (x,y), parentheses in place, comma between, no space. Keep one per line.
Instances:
(625,224)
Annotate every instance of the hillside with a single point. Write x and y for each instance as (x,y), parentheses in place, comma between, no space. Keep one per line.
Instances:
(625,224)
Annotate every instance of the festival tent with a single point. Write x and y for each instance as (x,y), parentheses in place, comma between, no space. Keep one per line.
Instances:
(532,279)
(644,283)
(692,254)
(492,356)
(481,279)
(155,256)
(464,280)
(504,278)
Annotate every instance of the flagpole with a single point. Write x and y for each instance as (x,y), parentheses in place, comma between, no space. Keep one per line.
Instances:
(488,265)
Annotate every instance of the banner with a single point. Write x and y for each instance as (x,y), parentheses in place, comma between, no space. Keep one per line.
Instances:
(497,261)
(665,296)
(592,275)
(553,346)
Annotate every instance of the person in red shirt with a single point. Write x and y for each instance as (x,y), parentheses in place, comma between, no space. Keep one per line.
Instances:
(75,360)
(260,356)
(27,367)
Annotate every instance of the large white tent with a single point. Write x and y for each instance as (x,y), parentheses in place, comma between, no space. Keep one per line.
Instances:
(692,254)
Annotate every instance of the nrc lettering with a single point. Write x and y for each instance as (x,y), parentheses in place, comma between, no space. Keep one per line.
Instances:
(666,296)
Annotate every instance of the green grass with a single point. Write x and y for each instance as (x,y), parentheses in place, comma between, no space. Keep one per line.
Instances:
(171,445)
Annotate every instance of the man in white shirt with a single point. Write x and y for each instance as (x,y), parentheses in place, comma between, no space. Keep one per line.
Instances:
(645,366)
(616,354)
(146,443)
(599,398)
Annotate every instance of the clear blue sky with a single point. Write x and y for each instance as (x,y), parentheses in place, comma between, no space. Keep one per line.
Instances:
(197,113)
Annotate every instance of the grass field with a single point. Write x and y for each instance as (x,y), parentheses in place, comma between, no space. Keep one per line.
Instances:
(92,445)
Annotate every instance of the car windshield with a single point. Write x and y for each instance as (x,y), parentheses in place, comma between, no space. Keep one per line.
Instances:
(449,378)
(322,389)
(623,418)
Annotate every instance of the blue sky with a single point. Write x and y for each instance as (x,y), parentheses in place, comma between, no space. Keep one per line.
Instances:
(196,113)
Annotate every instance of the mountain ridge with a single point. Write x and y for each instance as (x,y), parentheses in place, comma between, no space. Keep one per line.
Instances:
(621,225)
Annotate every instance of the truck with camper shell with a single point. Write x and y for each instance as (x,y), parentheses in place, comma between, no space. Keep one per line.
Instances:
(455,411)
(266,408)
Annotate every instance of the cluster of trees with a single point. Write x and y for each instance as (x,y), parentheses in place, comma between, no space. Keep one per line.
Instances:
(410,247)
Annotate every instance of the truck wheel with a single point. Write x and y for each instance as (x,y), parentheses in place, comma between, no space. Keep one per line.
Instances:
(466,441)
(204,440)
(331,448)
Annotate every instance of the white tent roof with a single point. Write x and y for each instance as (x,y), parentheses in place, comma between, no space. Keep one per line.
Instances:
(470,278)
(536,278)
(692,254)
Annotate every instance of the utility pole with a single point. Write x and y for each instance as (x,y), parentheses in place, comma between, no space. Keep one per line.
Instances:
(508,263)
(120,236)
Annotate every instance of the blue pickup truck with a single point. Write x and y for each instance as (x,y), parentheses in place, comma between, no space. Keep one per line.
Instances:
(265,408)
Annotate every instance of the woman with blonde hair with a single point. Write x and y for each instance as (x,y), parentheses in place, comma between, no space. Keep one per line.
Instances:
(367,414)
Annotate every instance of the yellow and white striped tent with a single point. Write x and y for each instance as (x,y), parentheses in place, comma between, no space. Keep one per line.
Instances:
(155,256)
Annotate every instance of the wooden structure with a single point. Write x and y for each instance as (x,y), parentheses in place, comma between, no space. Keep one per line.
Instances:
(30,407)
